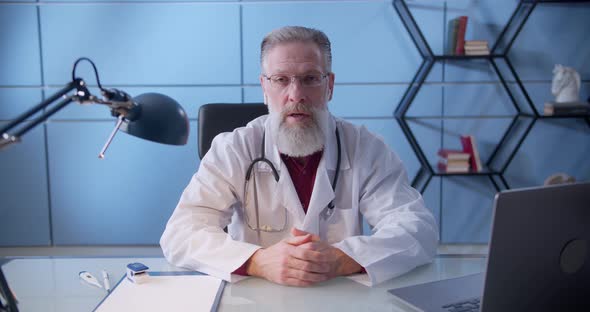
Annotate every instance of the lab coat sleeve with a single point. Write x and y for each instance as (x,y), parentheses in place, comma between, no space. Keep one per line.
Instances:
(194,236)
(404,233)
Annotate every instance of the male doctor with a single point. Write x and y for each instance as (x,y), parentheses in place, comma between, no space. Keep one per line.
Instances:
(297,220)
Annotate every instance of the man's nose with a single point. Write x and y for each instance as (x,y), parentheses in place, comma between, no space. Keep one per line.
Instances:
(295,91)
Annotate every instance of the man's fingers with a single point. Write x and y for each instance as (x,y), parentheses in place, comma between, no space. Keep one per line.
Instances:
(307,276)
(308,266)
(310,255)
(298,240)
(298,232)
(315,246)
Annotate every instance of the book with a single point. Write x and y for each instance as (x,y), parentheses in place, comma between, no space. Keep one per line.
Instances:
(470,146)
(476,43)
(477,52)
(454,168)
(462,28)
(453,154)
(452,33)
(566,108)
(454,162)
(475,48)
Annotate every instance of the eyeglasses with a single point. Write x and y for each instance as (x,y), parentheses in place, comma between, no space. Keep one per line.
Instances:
(307,81)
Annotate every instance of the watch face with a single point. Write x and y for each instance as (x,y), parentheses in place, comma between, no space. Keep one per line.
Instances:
(136,266)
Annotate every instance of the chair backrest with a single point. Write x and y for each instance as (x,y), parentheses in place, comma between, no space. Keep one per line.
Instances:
(216,118)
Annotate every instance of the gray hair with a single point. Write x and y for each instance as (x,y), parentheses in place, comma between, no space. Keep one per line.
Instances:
(290,34)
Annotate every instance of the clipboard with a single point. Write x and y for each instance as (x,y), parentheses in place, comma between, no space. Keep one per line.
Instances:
(165,291)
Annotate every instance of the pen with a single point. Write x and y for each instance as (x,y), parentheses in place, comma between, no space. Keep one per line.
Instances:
(107,283)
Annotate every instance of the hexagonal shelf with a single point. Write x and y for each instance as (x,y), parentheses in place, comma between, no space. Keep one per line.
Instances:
(521,122)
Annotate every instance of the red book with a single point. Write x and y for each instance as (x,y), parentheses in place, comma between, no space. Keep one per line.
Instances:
(452,154)
(469,146)
(460,46)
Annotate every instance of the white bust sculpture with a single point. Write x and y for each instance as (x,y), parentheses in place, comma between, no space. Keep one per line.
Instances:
(566,84)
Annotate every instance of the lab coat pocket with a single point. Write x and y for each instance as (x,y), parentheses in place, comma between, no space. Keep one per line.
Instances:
(334,226)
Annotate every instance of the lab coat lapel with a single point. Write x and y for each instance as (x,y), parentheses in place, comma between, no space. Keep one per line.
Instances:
(323,191)
(320,198)
(287,196)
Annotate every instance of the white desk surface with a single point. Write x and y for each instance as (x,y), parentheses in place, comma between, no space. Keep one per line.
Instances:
(52,284)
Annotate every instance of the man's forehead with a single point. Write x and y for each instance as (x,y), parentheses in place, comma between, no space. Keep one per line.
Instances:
(300,54)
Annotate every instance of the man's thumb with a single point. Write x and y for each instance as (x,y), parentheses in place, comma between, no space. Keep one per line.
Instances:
(299,240)
(298,232)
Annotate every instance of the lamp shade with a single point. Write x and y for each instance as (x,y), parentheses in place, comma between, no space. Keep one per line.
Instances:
(157,118)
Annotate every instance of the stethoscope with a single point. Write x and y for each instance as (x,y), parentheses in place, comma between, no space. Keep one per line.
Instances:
(325,214)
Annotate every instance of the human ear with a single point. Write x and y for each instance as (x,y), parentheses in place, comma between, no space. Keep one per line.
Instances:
(331,86)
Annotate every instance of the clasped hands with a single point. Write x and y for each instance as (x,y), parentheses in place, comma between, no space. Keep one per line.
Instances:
(301,260)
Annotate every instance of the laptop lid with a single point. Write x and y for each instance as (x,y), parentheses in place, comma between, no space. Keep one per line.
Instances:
(539,254)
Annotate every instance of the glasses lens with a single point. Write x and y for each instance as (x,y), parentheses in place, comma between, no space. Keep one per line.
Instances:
(280,81)
(309,80)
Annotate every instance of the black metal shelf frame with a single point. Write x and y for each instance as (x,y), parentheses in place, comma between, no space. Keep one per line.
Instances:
(498,54)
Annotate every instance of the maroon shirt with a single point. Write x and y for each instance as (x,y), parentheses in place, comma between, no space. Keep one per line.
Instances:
(302,171)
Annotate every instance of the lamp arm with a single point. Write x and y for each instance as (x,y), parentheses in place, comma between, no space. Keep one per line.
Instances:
(82,94)
(69,87)
(10,305)
(44,116)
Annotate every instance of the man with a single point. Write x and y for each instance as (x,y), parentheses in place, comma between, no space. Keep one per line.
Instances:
(304,225)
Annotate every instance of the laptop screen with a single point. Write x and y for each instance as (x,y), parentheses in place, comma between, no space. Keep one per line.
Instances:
(538,260)
(539,254)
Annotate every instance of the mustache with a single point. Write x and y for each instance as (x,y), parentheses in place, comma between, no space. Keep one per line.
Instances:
(298,108)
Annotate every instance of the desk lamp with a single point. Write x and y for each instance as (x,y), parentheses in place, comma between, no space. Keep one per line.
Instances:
(151,116)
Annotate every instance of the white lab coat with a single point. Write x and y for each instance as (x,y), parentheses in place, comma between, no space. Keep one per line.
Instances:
(372,183)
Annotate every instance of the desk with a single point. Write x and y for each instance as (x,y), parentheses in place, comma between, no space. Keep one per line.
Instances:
(52,284)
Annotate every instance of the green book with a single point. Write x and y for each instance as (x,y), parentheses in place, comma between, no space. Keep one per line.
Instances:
(453,26)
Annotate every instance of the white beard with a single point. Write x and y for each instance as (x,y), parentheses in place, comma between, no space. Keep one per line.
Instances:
(299,140)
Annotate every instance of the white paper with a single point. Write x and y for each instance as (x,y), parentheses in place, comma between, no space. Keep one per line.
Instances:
(164,293)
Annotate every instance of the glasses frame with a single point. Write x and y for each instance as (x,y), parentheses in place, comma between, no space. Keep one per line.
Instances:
(292,78)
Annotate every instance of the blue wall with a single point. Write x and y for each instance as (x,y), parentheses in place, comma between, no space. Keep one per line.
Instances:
(54,189)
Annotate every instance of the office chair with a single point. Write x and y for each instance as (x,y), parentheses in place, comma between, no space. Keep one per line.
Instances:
(222,117)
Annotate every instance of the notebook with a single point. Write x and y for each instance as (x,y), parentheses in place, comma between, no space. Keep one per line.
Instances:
(538,260)
(166,291)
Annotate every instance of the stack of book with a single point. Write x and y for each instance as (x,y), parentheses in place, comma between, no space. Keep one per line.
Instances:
(566,108)
(453,161)
(476,47)
(470,147)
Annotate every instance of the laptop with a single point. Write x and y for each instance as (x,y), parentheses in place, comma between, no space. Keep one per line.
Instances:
(538,260)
